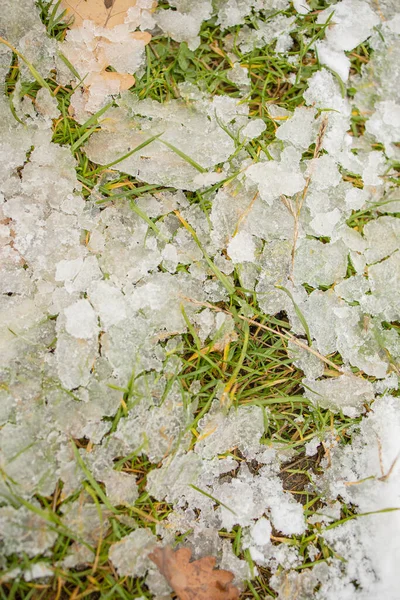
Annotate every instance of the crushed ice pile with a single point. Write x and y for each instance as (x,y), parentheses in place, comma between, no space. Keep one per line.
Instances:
(93,299)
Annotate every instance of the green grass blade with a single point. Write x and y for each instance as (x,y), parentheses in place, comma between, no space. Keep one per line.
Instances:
(184,156)
(211,497)
(92,480)
(128,154)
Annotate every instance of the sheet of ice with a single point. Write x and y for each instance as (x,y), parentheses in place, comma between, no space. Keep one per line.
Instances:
(346,393)
(192,130)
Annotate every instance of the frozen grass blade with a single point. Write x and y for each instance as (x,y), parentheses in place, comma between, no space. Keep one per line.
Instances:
(184,156)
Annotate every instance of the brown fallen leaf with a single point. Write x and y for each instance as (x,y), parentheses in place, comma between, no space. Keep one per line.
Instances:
(106,13)
(196,580)
(92,50)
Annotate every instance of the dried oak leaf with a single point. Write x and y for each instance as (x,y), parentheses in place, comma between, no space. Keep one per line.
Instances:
(106,13)
(196,580)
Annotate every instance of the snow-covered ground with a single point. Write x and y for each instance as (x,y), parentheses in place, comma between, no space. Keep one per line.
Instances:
(96,295)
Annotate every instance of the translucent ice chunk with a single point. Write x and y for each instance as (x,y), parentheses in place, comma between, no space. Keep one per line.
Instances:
(108,302)
(353,288)
(23,531)
(242,428)
(384,124)
(275,178)
(254,129)
(346,393)
(242,248)
(324,92)
(81,321)
(351,24)
(172,481)
(382,238)
(129,556)
(334,59)
(320,264)
(300,129)
(384,278)
(240,77)
(324,172)
(183,24)
(188,129)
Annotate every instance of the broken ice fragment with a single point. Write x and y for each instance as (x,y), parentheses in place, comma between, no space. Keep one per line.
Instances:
(336,60)
(109,303)
(242,427)
(320,264)
(300,129)
(275,178)
(323,172)
(324,92)
(194,140)
(81,321)
(346,393)
(129,556)
(351,24)
(254,129)
(261,531)
(382,237)
(241,248)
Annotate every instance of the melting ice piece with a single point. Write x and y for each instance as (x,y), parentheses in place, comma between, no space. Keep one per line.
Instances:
(384,124)
(352,22)
(365,474)
(384,278)
(242,248)
(23,531)
(219,432)
(109,303)
(240,77)
(311,365)
(172,481)
(275,178)
(324,92)
(352,289)
(254,128)
(299,129)
(346,393)
(336,60)
(324,172)
(382,237)
(320,264)
(183,24)
(129,556)
(190,128)
(81,321)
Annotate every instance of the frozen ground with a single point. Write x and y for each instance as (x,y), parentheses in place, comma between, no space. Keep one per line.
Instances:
(200,297)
